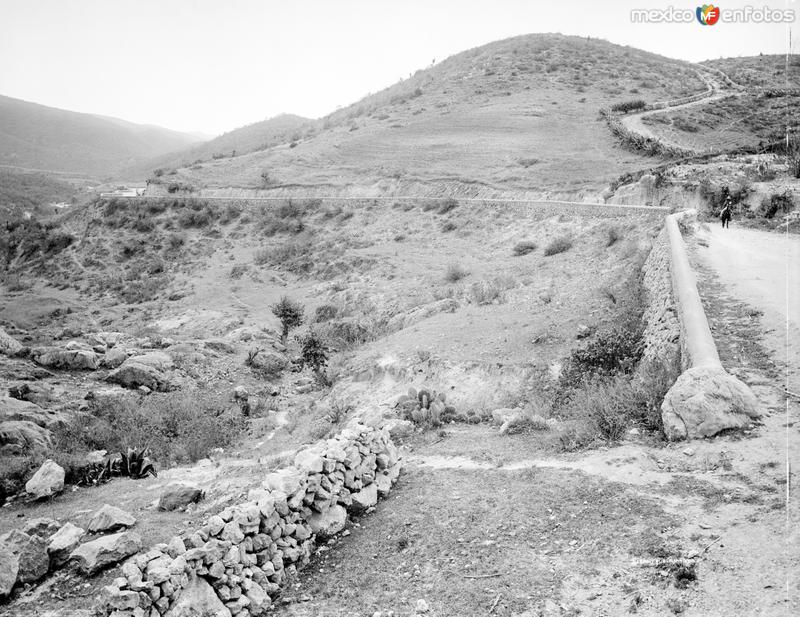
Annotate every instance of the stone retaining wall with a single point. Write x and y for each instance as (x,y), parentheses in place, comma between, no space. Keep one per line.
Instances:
(236,563)
(662,329)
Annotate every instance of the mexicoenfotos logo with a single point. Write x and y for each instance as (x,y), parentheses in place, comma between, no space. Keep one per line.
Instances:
(708,14)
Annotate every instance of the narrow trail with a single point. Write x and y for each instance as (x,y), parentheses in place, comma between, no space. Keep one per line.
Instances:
(717,91)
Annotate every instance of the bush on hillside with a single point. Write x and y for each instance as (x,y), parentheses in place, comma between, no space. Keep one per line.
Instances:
(290,314)
(524,248)
(775,203)
(455,273)
(314,353)
(559,245)
(627,106)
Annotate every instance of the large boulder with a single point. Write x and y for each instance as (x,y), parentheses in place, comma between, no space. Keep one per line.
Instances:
(328,523)
(63,542)
(47,481)
(23,436)
(9,565)
(196,599)
(42,527)
(71,359)
(706,400)
(110,518)
(9,346)
(178,495)
(145,370)
(30,553)
(14,409)
(365,498)
(269,361)
(105,551)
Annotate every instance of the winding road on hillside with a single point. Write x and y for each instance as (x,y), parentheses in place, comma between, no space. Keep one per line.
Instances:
(717,90)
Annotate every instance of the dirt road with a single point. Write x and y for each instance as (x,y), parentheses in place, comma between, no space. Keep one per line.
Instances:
(762,269)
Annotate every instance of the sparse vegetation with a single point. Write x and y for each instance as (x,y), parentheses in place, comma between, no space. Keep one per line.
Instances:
(558,245)
(628,106)
(290,314)
(455,273)
(315,353)
(524,248)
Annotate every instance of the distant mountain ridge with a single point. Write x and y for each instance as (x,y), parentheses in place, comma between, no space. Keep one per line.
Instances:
(35,136)
(281,129)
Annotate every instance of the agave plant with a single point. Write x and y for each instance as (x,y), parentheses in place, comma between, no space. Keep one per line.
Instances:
(425,407)
(135,464)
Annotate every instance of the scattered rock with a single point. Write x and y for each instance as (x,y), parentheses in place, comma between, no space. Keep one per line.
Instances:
(115,357)
(583,332)
(240,393)
(178,495)
(110,518)
(220,345)
(9,566)
(105,551)
(63,358)
(47,481)
(704,401)
(421,606)
(96,456)
(18,436)
(198,598)
(30,553)
(269,361)
(9,346)
(145,370)
(42,527)
(63,542)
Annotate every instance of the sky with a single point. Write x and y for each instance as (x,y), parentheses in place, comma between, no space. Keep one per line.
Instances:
(213,65)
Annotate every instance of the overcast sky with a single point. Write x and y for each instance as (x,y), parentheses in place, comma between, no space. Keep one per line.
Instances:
(213,65)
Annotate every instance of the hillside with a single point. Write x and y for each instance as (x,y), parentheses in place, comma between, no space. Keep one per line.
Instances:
(31,192)
(511,116)
(257,136)
(41,138)
(760,71)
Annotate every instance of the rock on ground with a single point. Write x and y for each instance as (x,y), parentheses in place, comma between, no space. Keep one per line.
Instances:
(63,542)
(19,436)
(42,527)
(704,401)
(47,481)
(72,359)
(110,518)
(9,565)
(9,346)
(108,550)
(142,371)
(198,598)
(176,496)
(30,554)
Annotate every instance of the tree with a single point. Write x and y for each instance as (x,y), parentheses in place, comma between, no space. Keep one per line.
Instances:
(314,352)
(290,314)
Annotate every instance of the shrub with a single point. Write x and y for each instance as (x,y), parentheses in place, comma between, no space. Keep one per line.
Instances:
(613,235)
(524,248)
(455,273)
(448,205)
(290,314)
(314,353)
(627,106)
(266,179)
(325,312)
(777,202)
(448,226)
(559,245)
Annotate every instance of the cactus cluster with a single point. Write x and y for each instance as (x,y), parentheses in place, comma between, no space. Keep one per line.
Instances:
(425,407)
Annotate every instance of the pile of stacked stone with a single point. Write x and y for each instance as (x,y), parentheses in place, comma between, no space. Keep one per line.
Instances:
(237,562)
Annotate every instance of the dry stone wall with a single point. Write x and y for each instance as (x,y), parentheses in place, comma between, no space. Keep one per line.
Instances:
(662,328)
(236,563)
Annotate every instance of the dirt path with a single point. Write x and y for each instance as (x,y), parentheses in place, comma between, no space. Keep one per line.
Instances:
(634,122)
(762,269)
